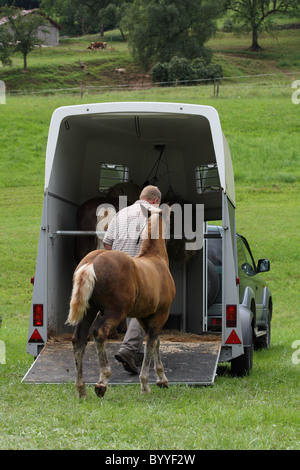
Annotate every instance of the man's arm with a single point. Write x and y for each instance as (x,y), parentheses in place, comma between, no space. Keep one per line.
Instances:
(109,236)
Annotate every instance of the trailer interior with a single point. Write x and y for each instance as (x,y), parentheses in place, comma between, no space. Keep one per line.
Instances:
(92,152)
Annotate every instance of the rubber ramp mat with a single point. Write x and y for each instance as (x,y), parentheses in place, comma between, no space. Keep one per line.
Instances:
(189,363)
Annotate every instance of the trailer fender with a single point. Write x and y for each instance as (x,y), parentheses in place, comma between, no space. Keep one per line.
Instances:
(246,317)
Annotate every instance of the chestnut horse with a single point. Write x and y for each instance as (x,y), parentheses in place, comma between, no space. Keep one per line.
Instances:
(109,286)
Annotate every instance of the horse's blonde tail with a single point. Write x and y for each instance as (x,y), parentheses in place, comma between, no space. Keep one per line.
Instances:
(83,285)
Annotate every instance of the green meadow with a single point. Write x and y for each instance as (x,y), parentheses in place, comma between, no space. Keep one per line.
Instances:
(261,411)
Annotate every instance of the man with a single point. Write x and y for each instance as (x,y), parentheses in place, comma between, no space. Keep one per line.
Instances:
(123,234)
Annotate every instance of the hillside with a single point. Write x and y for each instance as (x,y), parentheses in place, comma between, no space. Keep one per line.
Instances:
(71,64)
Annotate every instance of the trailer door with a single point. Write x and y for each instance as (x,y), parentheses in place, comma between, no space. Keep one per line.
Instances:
(205,281)
(231,325)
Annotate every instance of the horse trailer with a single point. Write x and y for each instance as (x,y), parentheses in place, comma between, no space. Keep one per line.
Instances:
(181,149)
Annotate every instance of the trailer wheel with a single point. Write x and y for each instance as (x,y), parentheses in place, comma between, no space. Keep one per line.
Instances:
(213,283)
(242,365)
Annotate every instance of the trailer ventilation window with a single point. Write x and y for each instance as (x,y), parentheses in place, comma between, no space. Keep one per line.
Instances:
(111,174)
(207,178)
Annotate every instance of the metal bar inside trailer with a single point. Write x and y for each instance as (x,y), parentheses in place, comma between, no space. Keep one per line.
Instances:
(79,232)
(102,233)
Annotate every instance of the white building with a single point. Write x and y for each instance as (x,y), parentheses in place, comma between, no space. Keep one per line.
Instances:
(51,38)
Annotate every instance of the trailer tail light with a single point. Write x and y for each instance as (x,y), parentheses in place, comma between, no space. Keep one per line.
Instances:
(217,321)
(38,314)
(230,316)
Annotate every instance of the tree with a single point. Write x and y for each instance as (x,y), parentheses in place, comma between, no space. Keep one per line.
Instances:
(161,29)
(23,29)
(84,16)
(115,12)
(256,15)
(73,16)
(5,47)
(24,4)
(85,12)
(96,8)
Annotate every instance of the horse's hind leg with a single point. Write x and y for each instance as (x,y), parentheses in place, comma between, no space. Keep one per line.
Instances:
(162,380)
(100,330)
(152,326)
(105,369)
(149,351)
(152,337)
(79,341)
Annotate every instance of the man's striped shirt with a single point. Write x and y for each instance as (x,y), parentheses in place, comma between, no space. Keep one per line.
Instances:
(125,228)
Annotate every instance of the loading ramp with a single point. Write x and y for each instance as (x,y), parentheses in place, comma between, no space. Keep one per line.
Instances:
(191,363)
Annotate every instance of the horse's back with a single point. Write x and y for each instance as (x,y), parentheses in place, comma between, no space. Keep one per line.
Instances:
(116,279)
(89,258)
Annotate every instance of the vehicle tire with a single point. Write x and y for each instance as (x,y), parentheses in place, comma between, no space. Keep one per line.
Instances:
(242,365)
(213,283)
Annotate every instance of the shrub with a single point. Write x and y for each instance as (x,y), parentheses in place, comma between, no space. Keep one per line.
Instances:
(200,68)
(184,71)
(160,73)
(180,69)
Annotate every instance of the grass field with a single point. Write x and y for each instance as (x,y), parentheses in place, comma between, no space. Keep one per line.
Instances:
(257,412)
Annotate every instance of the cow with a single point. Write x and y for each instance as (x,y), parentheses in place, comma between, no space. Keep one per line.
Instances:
(97,45)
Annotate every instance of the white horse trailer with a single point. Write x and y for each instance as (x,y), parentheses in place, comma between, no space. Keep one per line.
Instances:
(90,148)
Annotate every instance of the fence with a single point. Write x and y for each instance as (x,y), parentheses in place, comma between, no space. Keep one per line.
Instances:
(226,82)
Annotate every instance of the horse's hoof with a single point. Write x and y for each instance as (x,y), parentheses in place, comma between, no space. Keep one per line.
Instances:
(100,390)
(145,389)
(162,384)
(81,392)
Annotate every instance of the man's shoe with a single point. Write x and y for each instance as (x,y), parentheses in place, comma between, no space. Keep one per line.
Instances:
(127,361)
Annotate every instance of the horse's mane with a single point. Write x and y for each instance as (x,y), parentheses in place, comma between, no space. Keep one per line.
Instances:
(153,235)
